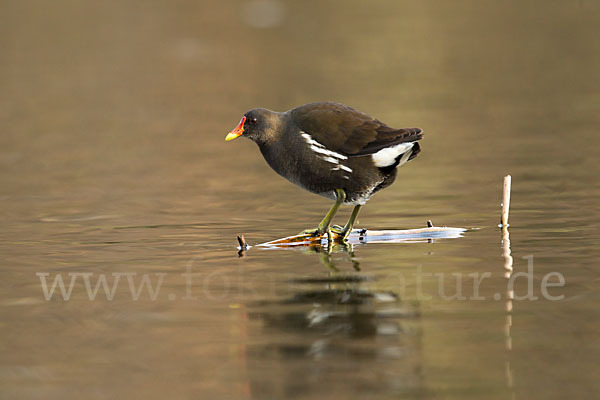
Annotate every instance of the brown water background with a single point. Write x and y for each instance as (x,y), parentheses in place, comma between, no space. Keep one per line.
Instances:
(112,160)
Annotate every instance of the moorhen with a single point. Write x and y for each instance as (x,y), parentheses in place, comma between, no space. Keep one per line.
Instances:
(332,150)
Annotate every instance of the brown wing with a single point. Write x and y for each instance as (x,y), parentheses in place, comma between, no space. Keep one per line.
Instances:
(343,129)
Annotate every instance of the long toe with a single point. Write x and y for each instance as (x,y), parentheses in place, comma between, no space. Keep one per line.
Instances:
(337,229)
(310,232)
(330,237)
(346,235)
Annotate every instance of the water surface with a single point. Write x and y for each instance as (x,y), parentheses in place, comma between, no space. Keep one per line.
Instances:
(113,164)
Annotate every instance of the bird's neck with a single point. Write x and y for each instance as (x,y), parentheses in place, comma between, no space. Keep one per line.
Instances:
(279,156)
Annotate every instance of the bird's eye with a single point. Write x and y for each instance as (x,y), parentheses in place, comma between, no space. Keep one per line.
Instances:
(253,121)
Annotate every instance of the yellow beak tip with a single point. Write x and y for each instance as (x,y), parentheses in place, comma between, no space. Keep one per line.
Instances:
(231,136)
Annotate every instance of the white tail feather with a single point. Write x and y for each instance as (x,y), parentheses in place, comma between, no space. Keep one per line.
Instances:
(386,157)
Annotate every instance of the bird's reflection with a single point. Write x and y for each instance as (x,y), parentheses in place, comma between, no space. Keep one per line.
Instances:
(334,326)
(326,251)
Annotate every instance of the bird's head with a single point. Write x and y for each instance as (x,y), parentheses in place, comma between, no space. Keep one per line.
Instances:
(258,124)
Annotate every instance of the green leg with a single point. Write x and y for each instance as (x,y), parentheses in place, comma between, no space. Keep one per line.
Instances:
(324,225)
(345,231)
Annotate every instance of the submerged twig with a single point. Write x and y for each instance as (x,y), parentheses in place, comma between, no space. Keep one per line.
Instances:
(243,245)
(242,241)
(358,236)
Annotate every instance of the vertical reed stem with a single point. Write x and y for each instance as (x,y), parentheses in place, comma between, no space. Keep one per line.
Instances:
(505,201)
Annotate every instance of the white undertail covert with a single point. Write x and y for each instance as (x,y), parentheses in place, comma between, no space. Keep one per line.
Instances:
(386,157)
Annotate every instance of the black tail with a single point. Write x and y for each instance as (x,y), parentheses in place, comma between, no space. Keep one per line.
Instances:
(415,150)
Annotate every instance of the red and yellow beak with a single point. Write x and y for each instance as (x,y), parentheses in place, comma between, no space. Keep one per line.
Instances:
(237,131)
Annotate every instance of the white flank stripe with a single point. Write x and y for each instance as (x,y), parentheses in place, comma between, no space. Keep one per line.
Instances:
(342,167)
(319,148)
(329,153)
(331,160)
(310,140)
(386,157)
